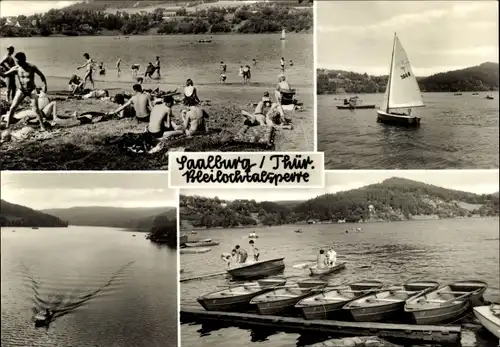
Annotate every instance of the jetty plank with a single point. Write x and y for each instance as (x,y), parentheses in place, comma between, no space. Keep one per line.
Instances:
(447,335)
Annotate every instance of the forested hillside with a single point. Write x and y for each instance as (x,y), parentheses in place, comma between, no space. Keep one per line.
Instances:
(18,215)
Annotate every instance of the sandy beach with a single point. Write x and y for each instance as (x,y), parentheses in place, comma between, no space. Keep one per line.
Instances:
(85,147)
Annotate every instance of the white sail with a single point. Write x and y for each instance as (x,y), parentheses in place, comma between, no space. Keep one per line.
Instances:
(403,90)
(283,34)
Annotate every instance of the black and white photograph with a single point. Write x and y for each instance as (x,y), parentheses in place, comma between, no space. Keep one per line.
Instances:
(117,85)
(407,84)
(375,258)
(88,259)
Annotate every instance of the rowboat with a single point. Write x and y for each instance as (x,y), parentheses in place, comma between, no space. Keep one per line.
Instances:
(202,243)
(194,250)
(42,318)
(489,97)
(329,301)
(385,304)
(489,317)
(444,304)
(352,107)
(327,270)
(312,283)
(280,300)
(238,297)
(258,269)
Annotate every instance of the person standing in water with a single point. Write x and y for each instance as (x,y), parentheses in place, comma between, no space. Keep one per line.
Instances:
(118,63)
(282,64)
(26,73)
(157,66)
(255,250)
(223,67)
(8,63)
(254,62)
(89,69)
(290,63)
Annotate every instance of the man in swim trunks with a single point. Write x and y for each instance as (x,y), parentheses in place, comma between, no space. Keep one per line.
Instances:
(27,88)
(160,122)
(157,66)
(194,120)
(89,69)
(242,254)
(141,102)
(8,63)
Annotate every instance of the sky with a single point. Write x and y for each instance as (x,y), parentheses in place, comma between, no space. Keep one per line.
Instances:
(437,36)
(10,8)
(479,182)
(40,190)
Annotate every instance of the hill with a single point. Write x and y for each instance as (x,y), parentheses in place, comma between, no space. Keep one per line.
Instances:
(391,200)
(117,217)
(483,77)
(18,215)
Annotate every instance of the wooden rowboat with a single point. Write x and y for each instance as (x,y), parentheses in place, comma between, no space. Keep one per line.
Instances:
(489,317)
(388,303)
(280,300)
(194,250)
(445,304)
(238,297)
(323,305)
(258,269)
(327,270)
(312,283)
(202,243)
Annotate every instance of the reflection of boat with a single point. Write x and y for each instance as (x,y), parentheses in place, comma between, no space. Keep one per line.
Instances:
(238,297)
(321,305)
(257,269)
(280,300)
(402,90)
(445,304)
(283,35)
(327,270)
(202,243)
(489,317)
(194,250)
(489,97)
(388,303)
(42,318)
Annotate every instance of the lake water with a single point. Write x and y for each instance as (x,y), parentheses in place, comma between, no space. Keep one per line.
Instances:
(456,132)
(443,250)
(181,56)
(107,288)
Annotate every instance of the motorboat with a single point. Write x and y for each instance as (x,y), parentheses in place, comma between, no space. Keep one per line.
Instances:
(280,300)
(489,317)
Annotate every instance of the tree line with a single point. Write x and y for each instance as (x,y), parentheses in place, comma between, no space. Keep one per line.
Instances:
(257,18)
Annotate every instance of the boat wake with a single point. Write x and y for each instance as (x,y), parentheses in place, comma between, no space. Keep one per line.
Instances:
(64,303)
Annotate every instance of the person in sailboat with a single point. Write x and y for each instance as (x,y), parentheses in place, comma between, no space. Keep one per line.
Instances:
(242,254)
(190,94)
(255,250)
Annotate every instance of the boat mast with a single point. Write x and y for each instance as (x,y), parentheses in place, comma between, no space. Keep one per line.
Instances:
(390,75)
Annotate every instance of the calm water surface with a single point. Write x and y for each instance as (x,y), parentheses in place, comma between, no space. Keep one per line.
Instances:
(181,56)
(456,132)
(108,288)
(443,250)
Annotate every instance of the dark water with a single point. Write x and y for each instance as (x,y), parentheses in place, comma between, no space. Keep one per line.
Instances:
(443,250)
(456,132)
(107,288)
(181,56)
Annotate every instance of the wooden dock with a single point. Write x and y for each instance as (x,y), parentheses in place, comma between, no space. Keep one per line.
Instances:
(444,335)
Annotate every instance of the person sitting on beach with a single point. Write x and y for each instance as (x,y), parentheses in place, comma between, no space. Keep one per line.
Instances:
(242,254)
(190,94)
(255,250)
(332,257)
(47,107)
(322,262)
(75,84)
(246,74)
(89,69)
(150,69)
(282,87)
(102,70)
(141,102)
(26,76)
(135,69)
(161,124)
(266,113)
(223,78)
(101,94)
(194,120)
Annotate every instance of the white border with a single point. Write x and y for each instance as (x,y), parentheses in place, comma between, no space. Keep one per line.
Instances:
(178,257)
(315,96)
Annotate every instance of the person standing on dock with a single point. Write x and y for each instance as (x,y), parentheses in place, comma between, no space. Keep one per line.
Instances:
(242,254)
(255,250)
(322,260)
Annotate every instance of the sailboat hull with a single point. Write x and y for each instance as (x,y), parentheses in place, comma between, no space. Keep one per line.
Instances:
(397,119)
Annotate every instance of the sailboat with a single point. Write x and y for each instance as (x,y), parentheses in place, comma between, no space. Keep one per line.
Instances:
(402,90)
(283,34)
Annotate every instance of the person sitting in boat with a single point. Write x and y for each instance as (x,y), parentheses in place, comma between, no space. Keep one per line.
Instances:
(332,257)
(255,250)
(322,260)
(242,254)
(190,94)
